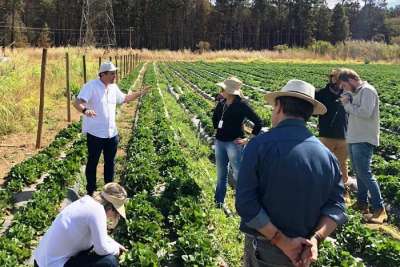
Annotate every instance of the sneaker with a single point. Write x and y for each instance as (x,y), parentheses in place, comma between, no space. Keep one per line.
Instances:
(361,207)
(379,216)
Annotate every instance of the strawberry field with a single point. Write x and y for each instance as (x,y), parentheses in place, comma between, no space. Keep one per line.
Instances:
(169,171)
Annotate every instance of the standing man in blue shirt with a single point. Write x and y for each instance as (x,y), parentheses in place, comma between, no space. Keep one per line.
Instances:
(290,189)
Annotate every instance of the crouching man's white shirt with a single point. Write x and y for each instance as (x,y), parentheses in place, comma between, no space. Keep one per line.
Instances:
(79,226)
(103,100)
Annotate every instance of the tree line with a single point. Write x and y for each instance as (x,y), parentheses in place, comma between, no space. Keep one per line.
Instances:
(218,24)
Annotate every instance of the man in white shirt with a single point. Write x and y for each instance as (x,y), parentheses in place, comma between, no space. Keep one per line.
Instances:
(78,236)
(97,101)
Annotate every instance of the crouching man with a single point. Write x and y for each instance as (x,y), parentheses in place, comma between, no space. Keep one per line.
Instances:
(78,236)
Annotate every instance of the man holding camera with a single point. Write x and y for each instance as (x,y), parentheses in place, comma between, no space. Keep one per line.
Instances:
(362,105)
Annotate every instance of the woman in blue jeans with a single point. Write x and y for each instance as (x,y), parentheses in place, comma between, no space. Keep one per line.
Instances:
(228,118)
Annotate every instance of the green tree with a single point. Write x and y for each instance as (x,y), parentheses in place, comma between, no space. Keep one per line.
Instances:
(340,24)
(44,39)
(323,22)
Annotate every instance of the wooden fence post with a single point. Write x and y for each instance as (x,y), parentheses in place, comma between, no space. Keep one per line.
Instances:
(41,103)
(124,65)
(84,69)
(131,61)
(116,65)
(68,88)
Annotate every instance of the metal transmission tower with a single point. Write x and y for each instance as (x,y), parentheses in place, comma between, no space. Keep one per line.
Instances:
(97,24)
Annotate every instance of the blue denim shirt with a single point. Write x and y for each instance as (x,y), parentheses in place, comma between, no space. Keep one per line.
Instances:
(289,178)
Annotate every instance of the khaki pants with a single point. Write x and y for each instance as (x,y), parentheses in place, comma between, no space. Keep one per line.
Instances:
(339,148)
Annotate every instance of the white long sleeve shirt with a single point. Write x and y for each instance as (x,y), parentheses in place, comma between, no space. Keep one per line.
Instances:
(103,100)
(79,226)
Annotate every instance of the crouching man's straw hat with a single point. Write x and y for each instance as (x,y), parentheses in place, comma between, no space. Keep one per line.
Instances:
(116,195)
(232,86)
(299,89)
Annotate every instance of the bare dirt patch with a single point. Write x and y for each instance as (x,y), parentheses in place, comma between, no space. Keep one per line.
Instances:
(14,148)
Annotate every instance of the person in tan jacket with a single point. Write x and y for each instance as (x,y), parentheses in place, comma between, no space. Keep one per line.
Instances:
(332,125)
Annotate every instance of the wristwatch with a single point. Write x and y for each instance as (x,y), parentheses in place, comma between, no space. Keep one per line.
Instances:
(275,239)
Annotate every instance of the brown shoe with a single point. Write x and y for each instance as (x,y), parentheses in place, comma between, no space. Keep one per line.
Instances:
(361,207)
(346,196)
(379,217)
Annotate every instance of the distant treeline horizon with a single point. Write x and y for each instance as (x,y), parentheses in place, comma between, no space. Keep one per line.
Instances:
(194,24)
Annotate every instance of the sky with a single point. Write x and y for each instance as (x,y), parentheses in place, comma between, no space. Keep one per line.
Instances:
(391,3)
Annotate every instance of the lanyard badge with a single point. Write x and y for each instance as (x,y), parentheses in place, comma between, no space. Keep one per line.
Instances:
(221,122)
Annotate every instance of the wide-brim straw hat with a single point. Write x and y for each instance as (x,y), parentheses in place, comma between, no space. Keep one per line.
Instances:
(232,86)
(118,201)
(299,89)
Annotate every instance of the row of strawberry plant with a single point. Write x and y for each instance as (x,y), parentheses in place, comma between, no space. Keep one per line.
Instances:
(390,145)
(208,86)
(195,103)
(32,220)
(374,247)
(225,229)
(257,77)
(158,178)
(274,75)
(31,169)
(387,174)
(356,223)
(126,83)
(28,171)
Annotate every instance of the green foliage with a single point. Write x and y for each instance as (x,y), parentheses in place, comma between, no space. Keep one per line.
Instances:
(281,48)
(371,246)
(331,255)
(160,209)
(340,24)
(31,221)
(354,239)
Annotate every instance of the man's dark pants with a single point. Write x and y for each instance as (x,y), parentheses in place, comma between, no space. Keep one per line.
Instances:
(260,253)
(90,259)
(95,146)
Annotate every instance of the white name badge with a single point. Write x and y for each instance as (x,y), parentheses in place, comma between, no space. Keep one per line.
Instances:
(221,122)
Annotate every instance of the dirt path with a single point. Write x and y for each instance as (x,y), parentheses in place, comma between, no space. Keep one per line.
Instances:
(14,148)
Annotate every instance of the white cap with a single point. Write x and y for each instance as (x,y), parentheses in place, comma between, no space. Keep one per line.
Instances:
(107,66)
